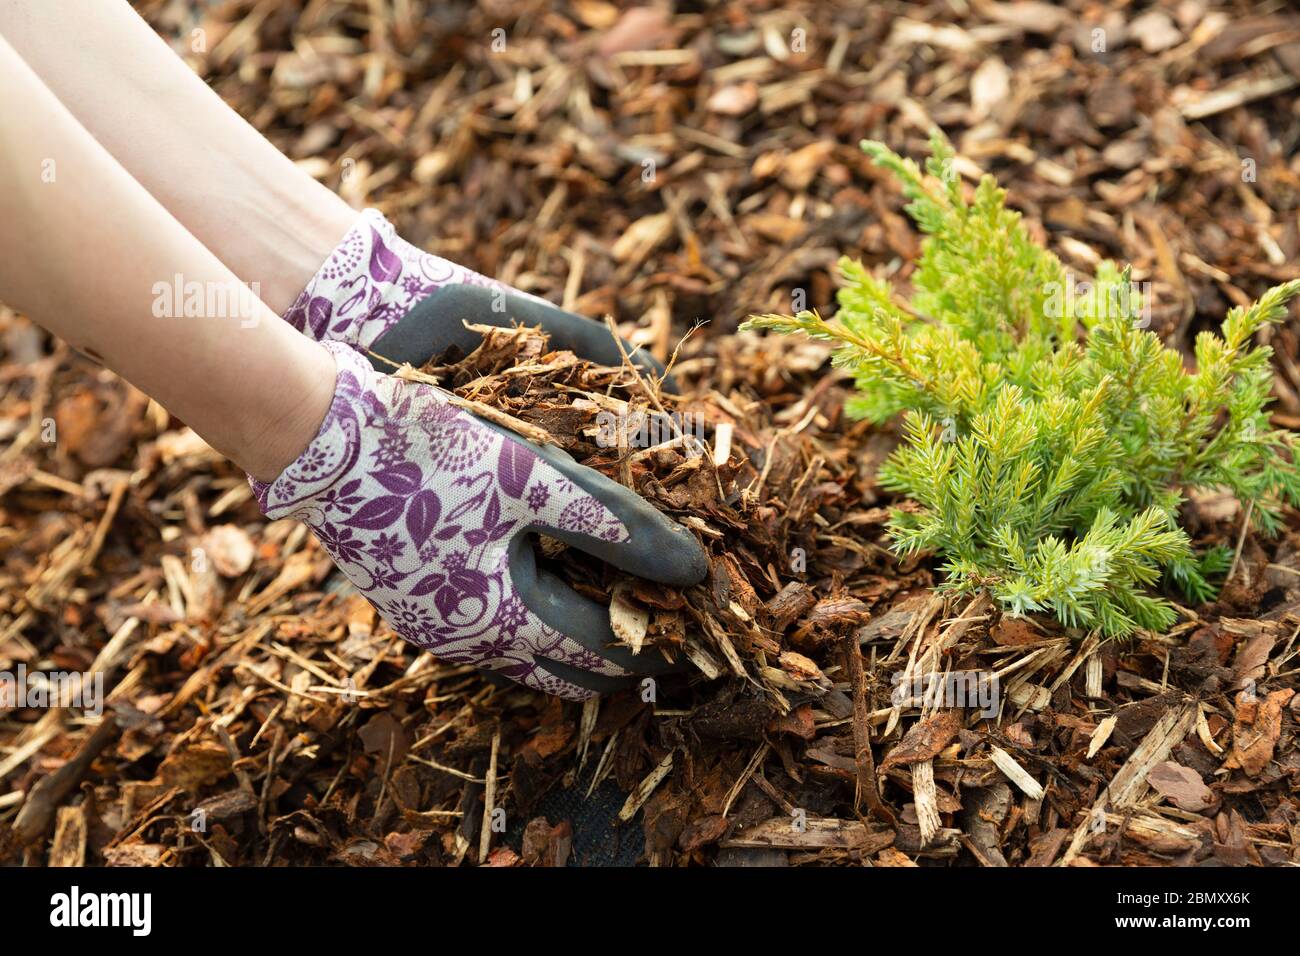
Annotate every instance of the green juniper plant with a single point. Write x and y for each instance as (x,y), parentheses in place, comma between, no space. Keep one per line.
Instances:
(1049,438)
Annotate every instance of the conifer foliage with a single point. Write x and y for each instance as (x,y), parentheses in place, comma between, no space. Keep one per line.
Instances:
(1049,439)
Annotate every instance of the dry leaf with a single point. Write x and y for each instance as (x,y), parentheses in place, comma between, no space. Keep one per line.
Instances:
(1181,786)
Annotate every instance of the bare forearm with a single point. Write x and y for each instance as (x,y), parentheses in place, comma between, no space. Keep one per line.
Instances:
(267,220)
(91,255)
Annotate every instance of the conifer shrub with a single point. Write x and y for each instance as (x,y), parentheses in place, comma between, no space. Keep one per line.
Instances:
(1049,440)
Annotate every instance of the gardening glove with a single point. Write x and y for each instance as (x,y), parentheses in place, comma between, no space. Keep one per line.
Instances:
(381,294)
(430,512)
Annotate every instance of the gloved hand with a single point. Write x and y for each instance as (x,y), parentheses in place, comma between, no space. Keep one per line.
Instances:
(379,293)
(431,511)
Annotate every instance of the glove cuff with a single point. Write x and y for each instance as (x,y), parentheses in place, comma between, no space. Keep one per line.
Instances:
(334,450)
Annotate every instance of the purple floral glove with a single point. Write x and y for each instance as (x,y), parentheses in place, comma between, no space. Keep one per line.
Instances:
(381,294)
(430,512)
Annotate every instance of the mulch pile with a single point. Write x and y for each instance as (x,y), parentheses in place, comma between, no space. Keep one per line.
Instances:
(665,168)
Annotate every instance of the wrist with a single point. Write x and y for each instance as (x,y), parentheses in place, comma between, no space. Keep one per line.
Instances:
(288,412)
(294,240)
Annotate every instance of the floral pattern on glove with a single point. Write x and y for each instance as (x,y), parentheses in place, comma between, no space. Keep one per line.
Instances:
(417,502)
(371,279)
